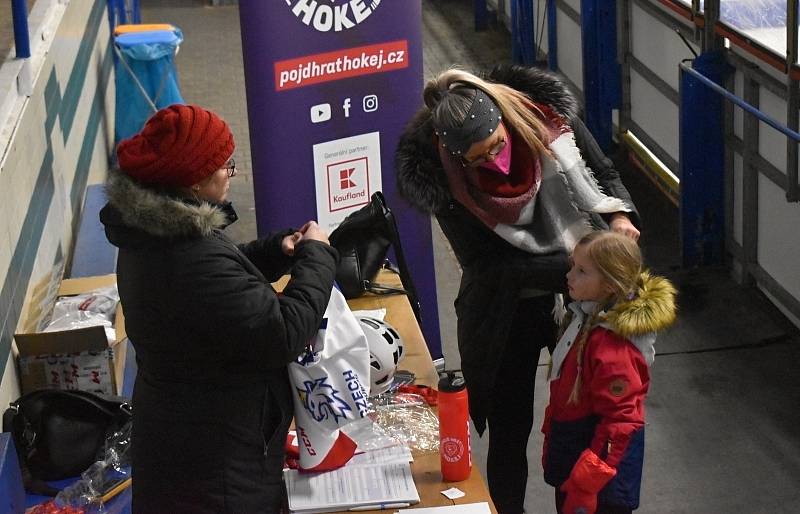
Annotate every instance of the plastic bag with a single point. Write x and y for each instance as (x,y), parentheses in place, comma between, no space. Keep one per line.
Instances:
(331,384)
(408,419)
(146,79)
(95,308)
(368,435)
(50,507)
(101,481)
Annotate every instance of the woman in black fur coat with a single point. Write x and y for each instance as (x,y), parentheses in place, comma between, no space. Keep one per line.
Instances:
(514,179)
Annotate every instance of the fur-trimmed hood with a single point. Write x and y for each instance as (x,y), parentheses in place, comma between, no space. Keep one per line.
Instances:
(638,320)
(420,177)
(652,310)
(134,209)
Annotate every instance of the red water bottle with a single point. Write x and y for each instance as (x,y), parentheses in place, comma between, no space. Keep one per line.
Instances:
(454,448)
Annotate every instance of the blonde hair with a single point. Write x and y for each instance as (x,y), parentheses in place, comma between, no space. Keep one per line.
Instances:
(449,97)
(618,259)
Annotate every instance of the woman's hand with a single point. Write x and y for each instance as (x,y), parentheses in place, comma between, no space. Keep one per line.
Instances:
(309,231)
(621,223)
(313,231)
(289,242)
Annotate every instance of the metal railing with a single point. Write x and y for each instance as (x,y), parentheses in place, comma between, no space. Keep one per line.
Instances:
(19,12)
(792,189)
(772,122)
(122,11)
(125,11)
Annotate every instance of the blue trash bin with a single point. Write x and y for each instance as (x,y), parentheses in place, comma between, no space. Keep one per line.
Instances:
(146,79)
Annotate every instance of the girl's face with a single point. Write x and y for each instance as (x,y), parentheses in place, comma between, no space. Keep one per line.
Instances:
(584,280)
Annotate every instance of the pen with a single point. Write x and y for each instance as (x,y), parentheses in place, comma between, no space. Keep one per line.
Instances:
(380,506)
(116,490)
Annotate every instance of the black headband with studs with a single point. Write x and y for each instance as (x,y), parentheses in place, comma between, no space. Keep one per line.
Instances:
(481,121)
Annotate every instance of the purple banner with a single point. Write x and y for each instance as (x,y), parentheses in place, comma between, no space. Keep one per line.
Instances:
(330,87)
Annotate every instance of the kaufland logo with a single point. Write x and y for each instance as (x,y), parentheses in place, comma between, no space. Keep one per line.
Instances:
(332,15)
(348,184)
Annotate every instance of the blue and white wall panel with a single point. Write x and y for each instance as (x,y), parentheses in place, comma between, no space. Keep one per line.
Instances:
(574,4)
(570,43)
(738,191)
(778,239)
(738,164)
(540,17)
(503,10)
(58,139)
(778,220)
(662,128)
(771,143)
(658,47)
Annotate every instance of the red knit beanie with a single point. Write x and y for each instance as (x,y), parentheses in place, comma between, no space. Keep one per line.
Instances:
(179,145)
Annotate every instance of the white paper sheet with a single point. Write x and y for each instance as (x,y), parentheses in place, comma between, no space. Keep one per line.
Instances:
(350,486)
(453,493)
(382,456)
(466,508)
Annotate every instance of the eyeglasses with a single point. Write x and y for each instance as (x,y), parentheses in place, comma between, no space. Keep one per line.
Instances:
(493,151)
(230,167)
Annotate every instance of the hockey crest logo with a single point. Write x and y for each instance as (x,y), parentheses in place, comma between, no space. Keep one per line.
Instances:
(332,15)
(452,449)
(322,400)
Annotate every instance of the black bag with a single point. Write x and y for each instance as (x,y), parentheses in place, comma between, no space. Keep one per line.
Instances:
(363,239)
(59,434)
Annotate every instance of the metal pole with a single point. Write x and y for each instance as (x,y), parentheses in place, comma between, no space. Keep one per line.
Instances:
(750,135)
(793,103)
(741,103)
(711,15)
(623,50)
(601,71)
(695,15)
(523,50)
(22,43)
(552,34)
(136,12)
(481,15)
(702,162)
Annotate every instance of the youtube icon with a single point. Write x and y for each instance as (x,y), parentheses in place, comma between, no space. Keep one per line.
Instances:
(320,113)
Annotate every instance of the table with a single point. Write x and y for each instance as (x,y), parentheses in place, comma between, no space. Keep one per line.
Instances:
(425,467)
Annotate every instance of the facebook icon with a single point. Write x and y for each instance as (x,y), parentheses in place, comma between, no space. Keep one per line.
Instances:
(346,107)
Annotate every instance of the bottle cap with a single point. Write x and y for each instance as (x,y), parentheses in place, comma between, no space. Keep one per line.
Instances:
(449,382)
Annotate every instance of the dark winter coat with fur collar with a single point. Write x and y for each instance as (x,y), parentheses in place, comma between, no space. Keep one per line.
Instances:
(494,273)
(212,397)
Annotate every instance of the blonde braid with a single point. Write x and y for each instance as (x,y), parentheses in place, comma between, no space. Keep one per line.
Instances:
(583,338)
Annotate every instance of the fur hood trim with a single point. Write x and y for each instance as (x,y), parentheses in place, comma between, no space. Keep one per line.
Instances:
(542,86)
(159,214)
(653,310)
(420,177)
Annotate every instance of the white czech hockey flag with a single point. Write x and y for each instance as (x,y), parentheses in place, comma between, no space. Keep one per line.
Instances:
(330,382)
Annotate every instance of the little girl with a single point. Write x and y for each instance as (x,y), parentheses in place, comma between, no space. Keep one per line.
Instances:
(599,376)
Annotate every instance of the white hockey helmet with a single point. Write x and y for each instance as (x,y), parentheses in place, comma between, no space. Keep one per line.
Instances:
(385,351)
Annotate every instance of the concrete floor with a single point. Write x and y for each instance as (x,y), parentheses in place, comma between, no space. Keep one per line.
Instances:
(723,412)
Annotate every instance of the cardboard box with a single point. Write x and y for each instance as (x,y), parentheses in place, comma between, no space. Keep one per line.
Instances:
(74,359)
